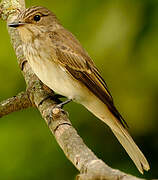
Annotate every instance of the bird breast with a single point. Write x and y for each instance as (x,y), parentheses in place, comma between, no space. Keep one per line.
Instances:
(51,73)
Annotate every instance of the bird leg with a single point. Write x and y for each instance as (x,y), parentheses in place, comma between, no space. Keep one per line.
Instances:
(61,105)
(58,107)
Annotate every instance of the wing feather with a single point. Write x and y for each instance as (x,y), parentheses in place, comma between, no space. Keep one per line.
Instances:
(77,62)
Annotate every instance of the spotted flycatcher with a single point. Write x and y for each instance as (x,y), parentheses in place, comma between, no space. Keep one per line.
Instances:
(60,62)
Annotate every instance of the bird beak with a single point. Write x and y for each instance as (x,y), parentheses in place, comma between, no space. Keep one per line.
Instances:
(16,24)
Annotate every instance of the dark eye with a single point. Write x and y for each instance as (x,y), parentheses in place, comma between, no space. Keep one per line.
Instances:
(37,18)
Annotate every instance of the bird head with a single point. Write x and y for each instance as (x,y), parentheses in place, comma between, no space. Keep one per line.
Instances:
(33,21)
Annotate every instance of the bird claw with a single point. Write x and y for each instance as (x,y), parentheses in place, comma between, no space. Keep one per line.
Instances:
(56,109)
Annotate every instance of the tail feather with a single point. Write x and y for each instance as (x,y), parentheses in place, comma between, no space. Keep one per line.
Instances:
(101,111)
(132,149)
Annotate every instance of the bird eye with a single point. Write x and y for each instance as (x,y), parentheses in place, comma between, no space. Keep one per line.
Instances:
(37,18)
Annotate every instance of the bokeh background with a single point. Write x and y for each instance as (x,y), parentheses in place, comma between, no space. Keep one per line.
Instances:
(122,38)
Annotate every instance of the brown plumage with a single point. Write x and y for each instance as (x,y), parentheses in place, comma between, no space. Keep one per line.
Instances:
(60,62)
(75,59)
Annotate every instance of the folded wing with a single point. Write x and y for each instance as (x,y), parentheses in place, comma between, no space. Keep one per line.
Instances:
(76,61)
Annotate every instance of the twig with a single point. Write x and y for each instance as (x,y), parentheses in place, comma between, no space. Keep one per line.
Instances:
(16,103)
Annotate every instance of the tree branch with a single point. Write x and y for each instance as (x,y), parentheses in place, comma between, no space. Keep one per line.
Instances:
(77,152)
(16,103)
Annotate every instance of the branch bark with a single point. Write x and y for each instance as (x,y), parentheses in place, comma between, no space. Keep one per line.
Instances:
(16,103)
(37,95)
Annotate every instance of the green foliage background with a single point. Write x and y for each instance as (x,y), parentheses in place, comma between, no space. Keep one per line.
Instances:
(122,38)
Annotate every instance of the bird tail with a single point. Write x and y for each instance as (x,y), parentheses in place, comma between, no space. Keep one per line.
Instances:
(131,148)
(101,111)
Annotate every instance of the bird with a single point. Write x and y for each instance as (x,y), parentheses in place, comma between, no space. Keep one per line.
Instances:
(60,62)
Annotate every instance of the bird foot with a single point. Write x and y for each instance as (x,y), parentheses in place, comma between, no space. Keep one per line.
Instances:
(57,109)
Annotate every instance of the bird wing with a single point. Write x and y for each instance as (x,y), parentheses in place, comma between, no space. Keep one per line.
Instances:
(71,55)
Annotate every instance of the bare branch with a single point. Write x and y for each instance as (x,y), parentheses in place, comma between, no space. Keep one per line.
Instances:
(16,103)
(77,152)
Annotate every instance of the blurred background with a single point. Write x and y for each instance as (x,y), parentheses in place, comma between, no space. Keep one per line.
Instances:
(122,38)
